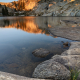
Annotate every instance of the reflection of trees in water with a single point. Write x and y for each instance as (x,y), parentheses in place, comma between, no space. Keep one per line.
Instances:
(44,30)
(6,22)
(26,25)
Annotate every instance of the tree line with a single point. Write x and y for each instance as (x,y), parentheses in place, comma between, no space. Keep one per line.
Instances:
(5,11)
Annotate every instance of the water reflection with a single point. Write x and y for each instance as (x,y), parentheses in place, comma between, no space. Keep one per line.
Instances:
(25,24)
(19,36)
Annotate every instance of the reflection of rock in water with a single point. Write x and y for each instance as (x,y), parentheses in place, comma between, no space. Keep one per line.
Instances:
(67,29)
(27,25)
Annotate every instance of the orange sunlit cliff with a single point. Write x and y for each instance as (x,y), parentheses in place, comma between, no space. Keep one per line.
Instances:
(22,4)
(25,4)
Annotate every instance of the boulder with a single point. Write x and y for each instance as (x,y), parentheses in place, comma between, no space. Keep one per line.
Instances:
(51,70)
(40,53)
(70,57)
(69,61)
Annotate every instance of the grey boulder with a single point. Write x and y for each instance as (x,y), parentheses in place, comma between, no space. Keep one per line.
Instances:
(51,70)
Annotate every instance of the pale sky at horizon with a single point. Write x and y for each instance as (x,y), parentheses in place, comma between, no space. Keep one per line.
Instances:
(7,0)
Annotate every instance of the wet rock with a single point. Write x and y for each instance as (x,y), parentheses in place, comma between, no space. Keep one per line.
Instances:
(40,53)
(51,70)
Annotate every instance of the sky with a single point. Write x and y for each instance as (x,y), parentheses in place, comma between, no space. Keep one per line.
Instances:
(7,0)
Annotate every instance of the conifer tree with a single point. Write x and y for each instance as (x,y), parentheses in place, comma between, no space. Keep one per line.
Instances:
(0,5)
(6,11)
(3,11)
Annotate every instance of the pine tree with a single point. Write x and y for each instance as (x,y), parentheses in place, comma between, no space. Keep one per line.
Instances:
(21,5)
(6,11)
(3,11)
(0,5)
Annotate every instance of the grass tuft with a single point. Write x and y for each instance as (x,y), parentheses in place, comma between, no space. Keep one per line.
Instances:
(74,74)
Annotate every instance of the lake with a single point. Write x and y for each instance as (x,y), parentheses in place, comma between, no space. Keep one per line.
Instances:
(20,36)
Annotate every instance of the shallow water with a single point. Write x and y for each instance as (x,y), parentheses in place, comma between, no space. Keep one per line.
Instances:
(19,36)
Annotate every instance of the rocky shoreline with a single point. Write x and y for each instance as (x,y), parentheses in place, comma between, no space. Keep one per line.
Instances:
(58,67)
(9,76)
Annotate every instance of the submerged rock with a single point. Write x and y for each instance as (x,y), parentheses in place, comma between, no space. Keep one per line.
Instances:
(65,44)
(51,70)
(40,53)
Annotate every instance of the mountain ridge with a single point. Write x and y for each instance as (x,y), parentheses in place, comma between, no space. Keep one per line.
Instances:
(46,7)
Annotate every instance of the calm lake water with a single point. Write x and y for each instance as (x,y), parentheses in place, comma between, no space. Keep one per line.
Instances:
(19,36)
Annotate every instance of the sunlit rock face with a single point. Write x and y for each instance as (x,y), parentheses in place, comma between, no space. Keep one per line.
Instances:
(26,4)
(46,7)
(21,4)
(58,8)
(30,4)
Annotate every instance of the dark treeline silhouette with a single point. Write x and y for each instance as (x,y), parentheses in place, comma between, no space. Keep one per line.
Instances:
(0,5)
(5,11)
(6,22)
